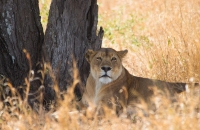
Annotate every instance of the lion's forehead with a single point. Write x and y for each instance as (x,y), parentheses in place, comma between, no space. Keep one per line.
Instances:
(106,54)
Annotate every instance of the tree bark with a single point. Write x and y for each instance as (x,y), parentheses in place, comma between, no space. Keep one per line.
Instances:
(20,28)
(71,30)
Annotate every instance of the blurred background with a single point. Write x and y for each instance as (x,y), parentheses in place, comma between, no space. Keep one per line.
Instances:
(162,36)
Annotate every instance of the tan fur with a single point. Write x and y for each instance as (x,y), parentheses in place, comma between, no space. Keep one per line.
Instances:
(125,89)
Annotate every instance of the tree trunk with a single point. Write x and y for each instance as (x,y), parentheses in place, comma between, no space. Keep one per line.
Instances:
(71,30)
(20,28)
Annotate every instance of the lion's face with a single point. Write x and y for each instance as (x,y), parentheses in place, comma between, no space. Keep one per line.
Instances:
(105,64)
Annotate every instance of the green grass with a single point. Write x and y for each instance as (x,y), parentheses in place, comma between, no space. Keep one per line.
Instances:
(44,12)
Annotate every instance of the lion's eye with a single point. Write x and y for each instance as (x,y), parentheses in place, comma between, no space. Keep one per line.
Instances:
(99,59)
(114,59)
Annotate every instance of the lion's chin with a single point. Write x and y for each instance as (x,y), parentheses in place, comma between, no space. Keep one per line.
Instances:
(105,80)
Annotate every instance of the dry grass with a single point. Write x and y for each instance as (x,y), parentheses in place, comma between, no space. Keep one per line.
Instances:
(162,36)
(163,42)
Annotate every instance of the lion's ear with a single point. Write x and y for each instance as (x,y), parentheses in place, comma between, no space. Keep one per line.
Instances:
(89,54)
(122,53)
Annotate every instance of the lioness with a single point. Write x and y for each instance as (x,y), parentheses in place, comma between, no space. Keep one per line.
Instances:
(110,83)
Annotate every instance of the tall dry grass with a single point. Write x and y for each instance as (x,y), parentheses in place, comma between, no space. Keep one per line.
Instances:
(163,37)
(163,42)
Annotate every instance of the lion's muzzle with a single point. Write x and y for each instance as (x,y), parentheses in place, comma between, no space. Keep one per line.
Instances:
(105,77)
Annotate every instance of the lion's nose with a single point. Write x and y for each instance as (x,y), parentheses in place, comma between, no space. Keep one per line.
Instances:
(105,68)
